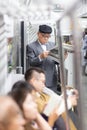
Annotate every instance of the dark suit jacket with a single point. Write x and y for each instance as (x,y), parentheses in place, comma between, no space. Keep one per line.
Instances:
(47,64)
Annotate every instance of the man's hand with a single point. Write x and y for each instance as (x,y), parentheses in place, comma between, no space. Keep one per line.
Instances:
(44,55)
(74,97)
(53,116)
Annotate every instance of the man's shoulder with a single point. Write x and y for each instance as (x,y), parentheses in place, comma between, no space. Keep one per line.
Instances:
(44,96)
(32,43)
(50,44)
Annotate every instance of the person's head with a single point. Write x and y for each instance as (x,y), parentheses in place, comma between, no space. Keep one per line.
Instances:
(44,33)
(36,77)
(85,31)
(22,93)
(10,115)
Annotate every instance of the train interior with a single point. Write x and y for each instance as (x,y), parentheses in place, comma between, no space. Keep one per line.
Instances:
(19,22)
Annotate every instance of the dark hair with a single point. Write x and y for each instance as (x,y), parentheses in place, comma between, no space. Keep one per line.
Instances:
(20,90)
(29,73)
(85,31)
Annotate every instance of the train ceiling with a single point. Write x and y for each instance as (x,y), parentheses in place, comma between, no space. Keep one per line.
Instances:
(39,9)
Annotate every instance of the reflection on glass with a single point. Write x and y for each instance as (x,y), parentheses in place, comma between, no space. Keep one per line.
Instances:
(10,59)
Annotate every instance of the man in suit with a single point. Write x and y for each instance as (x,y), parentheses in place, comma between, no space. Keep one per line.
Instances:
(38,56)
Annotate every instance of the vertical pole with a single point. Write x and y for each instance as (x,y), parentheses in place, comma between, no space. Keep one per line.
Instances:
(22,45)
(78,69)
(62,71)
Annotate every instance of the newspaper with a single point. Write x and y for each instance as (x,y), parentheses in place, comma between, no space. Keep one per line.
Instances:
(54,54)
(54,101)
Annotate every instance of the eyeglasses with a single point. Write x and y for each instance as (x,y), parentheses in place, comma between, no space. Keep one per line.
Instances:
(45,35)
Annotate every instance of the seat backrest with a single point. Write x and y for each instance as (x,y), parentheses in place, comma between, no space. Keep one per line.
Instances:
(11,79)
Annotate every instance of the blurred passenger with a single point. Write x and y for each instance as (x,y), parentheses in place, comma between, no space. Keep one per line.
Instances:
(23,93)
(38,56)
(10,54)
(36,77)
(84,52)
(10,115)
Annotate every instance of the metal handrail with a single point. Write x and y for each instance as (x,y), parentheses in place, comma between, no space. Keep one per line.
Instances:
(70,12)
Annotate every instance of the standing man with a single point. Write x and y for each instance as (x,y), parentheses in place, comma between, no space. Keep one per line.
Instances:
(38,56)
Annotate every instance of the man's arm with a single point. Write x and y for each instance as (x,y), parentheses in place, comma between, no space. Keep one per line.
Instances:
(43,125)
(34,59)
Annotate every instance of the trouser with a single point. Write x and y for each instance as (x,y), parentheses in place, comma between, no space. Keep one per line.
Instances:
(59,124)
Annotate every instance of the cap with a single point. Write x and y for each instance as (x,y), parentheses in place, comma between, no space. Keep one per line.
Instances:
(45,29)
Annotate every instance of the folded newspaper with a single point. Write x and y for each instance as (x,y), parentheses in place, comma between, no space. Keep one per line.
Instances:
(54,101)
(54,53)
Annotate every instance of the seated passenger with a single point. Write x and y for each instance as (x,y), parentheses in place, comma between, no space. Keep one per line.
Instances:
(23,93)
(36,77)
(10,115)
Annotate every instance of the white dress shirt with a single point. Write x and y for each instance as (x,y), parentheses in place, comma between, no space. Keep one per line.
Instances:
(43,46)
